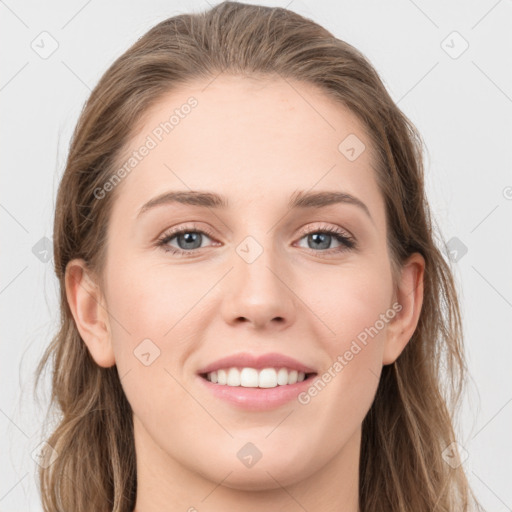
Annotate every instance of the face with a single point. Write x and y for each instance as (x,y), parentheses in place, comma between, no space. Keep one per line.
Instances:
(255,276)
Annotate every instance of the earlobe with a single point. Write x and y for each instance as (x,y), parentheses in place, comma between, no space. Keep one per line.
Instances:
(409,295)
(87,306)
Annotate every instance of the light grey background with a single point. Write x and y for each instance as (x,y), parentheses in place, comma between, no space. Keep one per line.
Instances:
(462,105)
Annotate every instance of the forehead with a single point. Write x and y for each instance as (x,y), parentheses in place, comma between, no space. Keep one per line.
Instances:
(255,139)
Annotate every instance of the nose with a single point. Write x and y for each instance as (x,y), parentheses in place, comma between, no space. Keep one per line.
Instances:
(259,291)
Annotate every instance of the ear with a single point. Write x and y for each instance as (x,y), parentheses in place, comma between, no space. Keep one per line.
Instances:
(88,307)
(409,295)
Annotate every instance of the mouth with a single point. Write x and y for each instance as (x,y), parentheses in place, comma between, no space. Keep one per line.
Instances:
(254,390)
(256,378)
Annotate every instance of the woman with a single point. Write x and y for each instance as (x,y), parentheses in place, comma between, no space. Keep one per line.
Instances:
(255,315)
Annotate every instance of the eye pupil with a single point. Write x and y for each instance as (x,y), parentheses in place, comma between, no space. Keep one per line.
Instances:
(320,240)
(190,238)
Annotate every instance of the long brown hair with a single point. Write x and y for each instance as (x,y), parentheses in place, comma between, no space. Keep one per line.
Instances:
(410,422)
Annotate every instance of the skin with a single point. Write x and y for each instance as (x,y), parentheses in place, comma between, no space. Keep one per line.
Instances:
(257,142)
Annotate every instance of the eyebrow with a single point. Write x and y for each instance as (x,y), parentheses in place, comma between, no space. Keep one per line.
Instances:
(299,199)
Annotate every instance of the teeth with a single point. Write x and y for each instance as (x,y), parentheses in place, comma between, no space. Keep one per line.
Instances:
(252,378)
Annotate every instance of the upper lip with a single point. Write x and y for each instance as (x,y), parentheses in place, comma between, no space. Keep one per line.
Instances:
(269,360)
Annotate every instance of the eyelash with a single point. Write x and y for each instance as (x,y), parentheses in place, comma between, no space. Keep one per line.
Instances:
(347,241)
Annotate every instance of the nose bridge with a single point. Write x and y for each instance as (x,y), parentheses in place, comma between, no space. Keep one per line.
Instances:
(257,248)
(257,264)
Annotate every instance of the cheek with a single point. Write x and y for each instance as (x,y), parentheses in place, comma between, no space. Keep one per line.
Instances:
(153,301)
(351,301)
(150,330)
(357,309)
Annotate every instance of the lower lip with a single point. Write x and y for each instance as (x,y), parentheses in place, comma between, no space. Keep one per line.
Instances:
(257,399)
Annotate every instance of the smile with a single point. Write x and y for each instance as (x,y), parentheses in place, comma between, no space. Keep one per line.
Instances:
(253,378)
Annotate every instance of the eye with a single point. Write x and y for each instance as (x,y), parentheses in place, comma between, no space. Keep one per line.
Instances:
(321,238)
(188,240)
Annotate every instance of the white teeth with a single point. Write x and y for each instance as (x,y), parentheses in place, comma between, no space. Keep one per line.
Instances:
(233,377)
(248,377)
(252,378)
